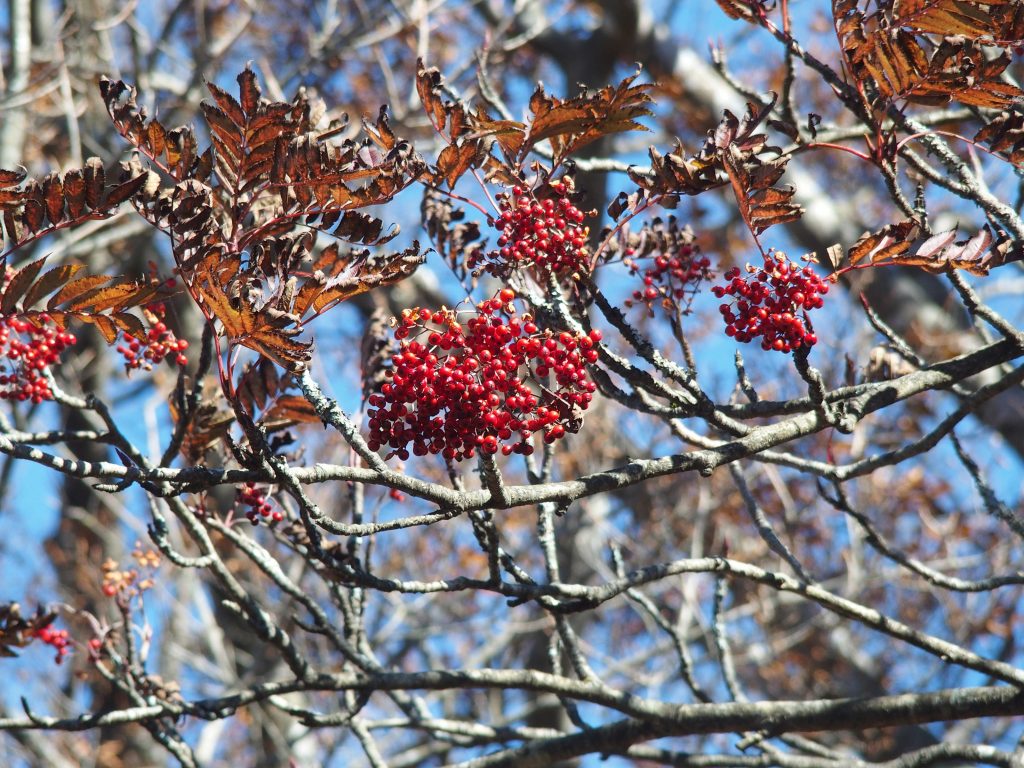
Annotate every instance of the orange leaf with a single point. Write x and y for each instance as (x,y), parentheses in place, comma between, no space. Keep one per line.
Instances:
(19,284)
(49,282)
(76,288)
(455,160)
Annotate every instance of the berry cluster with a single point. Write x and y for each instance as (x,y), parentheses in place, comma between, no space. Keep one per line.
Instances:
(256,500)
(488,386)
(546,234)
(116,581)
(29,348)
(58,638)
(772,303)
(158,343)
(128,584)
(669,280)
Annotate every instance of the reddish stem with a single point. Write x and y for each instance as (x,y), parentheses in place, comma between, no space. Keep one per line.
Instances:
(461,199)
(839,147)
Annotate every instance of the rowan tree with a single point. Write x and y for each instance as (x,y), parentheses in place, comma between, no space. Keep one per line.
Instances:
(679,423)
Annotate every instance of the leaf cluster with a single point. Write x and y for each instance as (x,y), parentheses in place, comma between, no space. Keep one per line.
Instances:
(653,237)
(736,153)
(243,215)
(103,301)
(33,208)
(566,125)
(902,243)
(930,51)
(451,234)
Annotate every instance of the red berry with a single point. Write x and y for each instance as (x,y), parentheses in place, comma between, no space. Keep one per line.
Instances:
(532,237)
(773,305)
(476,389)
(258,505)
(158,343)
(30,349)
(57,638)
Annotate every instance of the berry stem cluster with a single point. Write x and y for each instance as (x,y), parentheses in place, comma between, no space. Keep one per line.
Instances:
(129,583)
(543,231)
(772,302)
(669,280)
(158,343)
(27,349)
(259,507)
(57,638)
(488,385)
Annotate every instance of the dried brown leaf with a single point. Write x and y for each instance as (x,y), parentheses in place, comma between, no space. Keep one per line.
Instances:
(428,86)
(288,410)
(53,195)
(248,90)
(129,324)
(32,215)
(95,181)
(12,178)
(119,293)
(18,285)
(1005,134)
(889,242)
(74,192)
(50,281)
(375,351)
(456,159)
(107,327)
(227,105)
(969,18)
(123,191)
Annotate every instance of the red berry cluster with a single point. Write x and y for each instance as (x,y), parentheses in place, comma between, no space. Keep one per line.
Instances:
(546,234)
(488,386)
(669,279)
(772,303)
(158,343)
(58,638)
(256,500)
(29,348)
